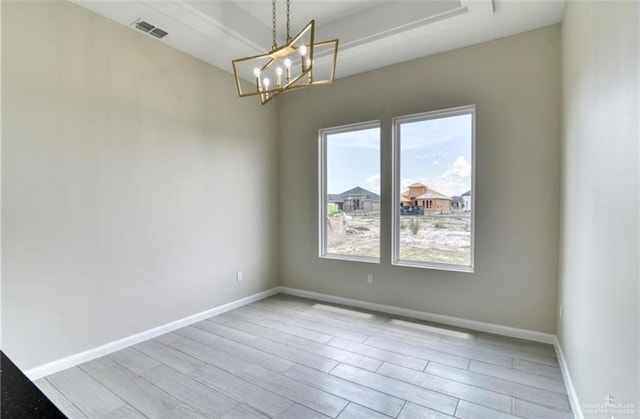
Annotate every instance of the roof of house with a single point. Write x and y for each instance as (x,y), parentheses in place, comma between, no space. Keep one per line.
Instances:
(433,195)
(429,194)
(467,193)
(356,192)
(417,185)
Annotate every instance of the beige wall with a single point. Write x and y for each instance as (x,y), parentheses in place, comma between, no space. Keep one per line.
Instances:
(515,83)
(599,277)
(121,163)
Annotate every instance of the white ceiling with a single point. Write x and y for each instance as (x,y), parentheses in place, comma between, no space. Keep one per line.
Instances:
(373,34)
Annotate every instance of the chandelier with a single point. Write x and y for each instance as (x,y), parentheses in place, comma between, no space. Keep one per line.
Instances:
(300,62)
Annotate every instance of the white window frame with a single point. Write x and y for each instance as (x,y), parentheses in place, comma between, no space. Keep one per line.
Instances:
(396,187)
(322,188)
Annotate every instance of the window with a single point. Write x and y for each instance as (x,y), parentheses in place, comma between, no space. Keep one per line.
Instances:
(350,192)
(434,189)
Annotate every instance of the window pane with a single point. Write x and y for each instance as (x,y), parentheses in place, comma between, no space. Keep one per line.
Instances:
(352,191)
(435,214)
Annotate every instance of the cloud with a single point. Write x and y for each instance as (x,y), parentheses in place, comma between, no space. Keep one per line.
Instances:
(373,183)
(455,181)
(460,169)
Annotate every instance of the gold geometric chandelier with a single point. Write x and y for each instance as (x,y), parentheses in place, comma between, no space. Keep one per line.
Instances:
(300,62)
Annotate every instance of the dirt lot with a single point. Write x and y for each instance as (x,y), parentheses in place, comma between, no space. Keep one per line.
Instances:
(440,238)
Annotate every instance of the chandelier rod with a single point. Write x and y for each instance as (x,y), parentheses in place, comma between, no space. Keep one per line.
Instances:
(288,24)
(274,45)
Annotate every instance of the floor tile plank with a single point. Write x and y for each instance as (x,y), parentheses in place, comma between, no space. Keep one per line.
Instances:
(299,412)
(220,329)
(243,322)
(535,411)
(513,352)
(355,411)
(380,354)
(284,326)
(296,355)
(206,353)
(124,412)
(461,351)
(137,392)
(348,390)
(241,412)
(301,393)
(309,322)
(519,344)
(134,361)
(197,334)
(519,376)
(61,402)
(337,354)
(97,365)
(449,387)
(91,397)
(400,389)
(185,412)
(419,352)
(413,411)
(191,392)
(250,354)
(169,356)
(242,391)
(468,410)
(533,394)
(537,368)
(416,329)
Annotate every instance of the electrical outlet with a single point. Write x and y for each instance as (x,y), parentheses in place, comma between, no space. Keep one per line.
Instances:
(239,277)
(370,279)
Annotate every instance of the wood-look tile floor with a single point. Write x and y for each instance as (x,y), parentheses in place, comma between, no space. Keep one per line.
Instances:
(292,358)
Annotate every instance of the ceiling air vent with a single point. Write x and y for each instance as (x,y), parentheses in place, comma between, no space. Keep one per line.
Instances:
(158,33)
(149,28)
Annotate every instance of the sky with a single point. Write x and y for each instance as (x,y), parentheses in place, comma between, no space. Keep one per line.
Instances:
(435,152)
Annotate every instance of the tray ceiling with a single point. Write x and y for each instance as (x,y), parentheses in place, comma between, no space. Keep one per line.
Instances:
(373,34)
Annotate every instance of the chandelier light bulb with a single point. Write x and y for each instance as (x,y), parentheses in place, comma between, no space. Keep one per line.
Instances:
(256,72)
(266,82)
(279,71)
(303,50)
(287,64)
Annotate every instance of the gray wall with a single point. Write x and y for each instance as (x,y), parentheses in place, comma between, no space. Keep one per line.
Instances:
(599,278)
(515,83)
(135,184)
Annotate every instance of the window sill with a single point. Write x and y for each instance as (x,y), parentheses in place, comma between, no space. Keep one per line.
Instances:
(351,258)
(435,266)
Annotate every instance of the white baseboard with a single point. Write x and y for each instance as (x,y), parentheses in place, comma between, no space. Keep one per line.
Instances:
(571,391)
(423,315)
(77,359)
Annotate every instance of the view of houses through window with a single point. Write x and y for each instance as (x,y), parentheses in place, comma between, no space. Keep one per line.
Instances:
(434,174)
(351,193)
(433,190)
